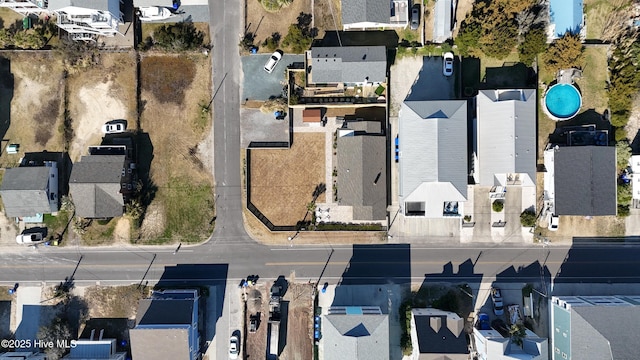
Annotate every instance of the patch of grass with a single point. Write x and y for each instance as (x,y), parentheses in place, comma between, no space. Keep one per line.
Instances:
(99,234)
(593,81)
(489,62)
(167,77)
(189,210)
(408,34)
(56,224)
(115,301)
(597,13)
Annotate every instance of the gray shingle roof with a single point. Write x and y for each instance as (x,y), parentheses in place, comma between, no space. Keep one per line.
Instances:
(443,14)
(356,337)
(362,175)
(357,11)
(506,133)
(433,148)
(165,311)
(348,64)
(154,344)
(585,180)
(95,186)
(605,332)
(24,191)
(439,333)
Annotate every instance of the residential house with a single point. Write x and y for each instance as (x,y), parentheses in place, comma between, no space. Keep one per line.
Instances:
(634,162)
(437,334)
(444,18)
(87,349)
(355,333)
(99,185)
(347,65)
(31,190)
(82,19)
(433,158)
(491,345)
(580,180)
(595,327)
(505,148)
(167,326)
(566,16)
(361,169)
(374,14)
(22,355)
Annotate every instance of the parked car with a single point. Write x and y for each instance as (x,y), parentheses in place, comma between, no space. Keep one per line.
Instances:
(415,17)
(447,64)
(274,59)
(234,347)
(498,305)
(554,221)
(30,238)
(483,322)
(114,127)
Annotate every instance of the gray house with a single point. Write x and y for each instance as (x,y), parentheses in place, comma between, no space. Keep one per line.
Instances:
(364,14)
(97,184)
(581,180)
(348,65)
(437,334)
(355,333)
(505,151)
(30,191)
(595,327)
(361,170)
(167,326)
(433,158)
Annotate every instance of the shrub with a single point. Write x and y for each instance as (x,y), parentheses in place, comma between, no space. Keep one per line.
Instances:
(534,43)
(272,42)
(621,134)
(182,36)
(624,194)
(405,322)
(274,5)
(497,205)
(566,52)
(29,39)
(623,210)
(297,39)
(623,153)
(528,218)
(468,38)
(447,302)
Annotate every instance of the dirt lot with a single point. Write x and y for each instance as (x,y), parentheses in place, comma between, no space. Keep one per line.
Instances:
(464,7)
(297,324)
(100,94)
(283,181)
(174,91)
(114,301)
(263,23)
(327,16)
(30,102)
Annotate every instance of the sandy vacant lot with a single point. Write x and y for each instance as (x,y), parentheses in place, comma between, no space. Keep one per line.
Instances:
(101,94)
(283,181)
(263,23)
(327,15)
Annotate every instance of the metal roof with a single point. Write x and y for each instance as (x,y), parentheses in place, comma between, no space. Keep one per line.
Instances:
(506,136)
(443,14)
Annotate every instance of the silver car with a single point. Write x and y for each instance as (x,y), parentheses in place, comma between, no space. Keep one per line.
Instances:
(415,17)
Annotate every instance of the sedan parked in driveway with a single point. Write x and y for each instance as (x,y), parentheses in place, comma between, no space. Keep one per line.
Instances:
(114,127)
(415,17)
(30,238)
(447,64)
(498,305)
(274,59)
(554,221)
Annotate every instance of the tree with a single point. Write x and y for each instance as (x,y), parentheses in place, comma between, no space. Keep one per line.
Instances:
(57,330)
(623,153)
(469,37)
(497,205)
(499,42)
(534,43)
(297,39)
(564,53)
(528,218)
(272,42)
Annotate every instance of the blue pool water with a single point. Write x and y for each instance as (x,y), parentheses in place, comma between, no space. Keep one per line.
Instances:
(563,101)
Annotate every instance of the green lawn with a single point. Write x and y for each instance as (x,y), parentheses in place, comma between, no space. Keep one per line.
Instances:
(486,62)
(594,78)
(100,232)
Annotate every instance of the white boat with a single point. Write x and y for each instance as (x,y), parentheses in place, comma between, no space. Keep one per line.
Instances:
(154,13)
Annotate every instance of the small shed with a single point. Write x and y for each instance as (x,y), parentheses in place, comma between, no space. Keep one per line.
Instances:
(311,115)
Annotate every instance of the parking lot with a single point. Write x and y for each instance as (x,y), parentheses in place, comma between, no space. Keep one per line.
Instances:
(260,85)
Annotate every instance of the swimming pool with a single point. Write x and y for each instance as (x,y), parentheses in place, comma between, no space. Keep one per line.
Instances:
(563,101)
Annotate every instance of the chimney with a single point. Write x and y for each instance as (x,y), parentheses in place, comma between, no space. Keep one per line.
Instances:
(435,322)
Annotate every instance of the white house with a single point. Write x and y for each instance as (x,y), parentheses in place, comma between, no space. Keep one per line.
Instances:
(491,345)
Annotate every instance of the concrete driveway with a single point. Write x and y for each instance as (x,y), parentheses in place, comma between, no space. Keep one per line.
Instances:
(260,85)
(258,127)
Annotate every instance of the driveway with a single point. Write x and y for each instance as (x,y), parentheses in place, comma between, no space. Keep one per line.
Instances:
(260,85)
(431,84)
(256,126)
